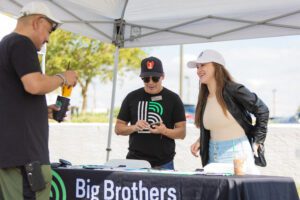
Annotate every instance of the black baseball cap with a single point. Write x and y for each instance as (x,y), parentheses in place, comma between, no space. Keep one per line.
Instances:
(151,66)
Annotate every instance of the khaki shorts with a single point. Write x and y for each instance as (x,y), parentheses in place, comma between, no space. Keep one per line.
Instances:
(12,186)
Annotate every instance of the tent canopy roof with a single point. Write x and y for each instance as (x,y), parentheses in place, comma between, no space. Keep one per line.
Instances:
(137,23)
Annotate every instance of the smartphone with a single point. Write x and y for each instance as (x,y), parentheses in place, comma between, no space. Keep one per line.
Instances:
(154,124)
(34,175)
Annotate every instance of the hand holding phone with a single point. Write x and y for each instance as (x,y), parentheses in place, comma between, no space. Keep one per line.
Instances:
(153,125)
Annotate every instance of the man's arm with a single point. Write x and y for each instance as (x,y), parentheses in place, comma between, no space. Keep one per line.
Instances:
(177,133)
(40,84)
(122,127)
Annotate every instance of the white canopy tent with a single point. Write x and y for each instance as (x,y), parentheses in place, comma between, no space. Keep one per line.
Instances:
(140,23)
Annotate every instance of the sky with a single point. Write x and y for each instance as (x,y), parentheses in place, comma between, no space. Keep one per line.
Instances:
(270,67)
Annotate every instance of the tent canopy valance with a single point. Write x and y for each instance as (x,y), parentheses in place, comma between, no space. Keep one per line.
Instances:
(139,23)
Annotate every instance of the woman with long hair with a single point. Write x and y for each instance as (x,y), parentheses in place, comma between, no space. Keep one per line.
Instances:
(223,115)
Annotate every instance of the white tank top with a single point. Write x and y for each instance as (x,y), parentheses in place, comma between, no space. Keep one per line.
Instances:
(221,127)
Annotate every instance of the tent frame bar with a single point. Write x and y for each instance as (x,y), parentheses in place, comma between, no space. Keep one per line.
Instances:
(169,29)
(254,23)
(251,23)
(87,23)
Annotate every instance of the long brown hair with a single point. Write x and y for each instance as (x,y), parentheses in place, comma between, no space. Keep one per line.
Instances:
(222,76)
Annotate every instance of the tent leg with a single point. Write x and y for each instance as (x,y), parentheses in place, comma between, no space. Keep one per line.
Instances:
(111,112)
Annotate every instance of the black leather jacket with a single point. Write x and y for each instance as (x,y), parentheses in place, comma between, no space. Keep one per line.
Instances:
(240,103)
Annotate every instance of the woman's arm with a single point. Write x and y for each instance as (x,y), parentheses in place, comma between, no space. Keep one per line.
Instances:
(195,147)
(257,107)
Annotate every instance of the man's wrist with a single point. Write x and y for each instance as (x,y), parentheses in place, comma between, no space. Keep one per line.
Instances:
(165,131)
(135,129)
(63,78)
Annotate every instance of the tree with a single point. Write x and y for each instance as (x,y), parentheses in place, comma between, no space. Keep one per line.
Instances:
(89,58)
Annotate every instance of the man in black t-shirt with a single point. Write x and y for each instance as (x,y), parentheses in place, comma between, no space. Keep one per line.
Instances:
(23,108)
(153,117)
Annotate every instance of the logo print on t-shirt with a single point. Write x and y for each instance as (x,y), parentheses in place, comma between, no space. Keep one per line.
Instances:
(150,111)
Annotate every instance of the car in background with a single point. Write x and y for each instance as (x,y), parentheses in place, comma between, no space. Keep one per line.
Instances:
(294,119)
(189,112)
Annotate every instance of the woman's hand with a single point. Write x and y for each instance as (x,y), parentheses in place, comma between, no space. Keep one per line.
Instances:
(254,149)
(195,148)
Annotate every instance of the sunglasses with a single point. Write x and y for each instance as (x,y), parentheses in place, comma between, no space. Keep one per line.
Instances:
(53,24)
(155,79)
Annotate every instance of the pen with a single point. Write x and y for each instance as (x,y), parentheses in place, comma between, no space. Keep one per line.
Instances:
(68,67)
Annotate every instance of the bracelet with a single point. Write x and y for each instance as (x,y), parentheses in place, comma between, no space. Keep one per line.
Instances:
(62,78)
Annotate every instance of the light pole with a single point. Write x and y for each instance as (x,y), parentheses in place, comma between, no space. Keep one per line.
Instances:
(187,78)
(274,102)
(180,69)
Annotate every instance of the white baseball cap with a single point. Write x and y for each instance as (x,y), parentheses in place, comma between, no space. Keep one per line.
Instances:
(40,8)
(207,56)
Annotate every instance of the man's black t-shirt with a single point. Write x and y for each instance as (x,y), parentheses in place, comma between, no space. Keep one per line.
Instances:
(165,106)
(23,116)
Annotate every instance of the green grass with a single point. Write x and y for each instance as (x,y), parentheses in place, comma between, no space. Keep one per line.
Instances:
(90,117)
(93,117)
(298,189)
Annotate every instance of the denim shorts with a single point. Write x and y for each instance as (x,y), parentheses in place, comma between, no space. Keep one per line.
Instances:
(226,151)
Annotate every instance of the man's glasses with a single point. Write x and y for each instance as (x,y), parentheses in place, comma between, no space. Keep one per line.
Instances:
(53,24)
(155,79)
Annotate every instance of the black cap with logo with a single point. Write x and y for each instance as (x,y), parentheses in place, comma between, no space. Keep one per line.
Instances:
(151,66)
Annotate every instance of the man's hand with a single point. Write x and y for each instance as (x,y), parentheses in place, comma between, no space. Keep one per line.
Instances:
(195,148)
(178,132)
(158,128)
(71,78)
(52,108)
(141,125)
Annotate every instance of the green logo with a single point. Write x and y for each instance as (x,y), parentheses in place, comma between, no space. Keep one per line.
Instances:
(58,188)
(58,103)
(156,107)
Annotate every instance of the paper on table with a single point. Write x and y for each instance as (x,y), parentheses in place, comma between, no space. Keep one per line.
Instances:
(219,168)
(156,171)
(176,172)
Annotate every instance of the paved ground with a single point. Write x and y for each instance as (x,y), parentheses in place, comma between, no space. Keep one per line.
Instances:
(86,144)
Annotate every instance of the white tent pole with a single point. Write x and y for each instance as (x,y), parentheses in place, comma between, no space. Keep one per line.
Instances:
(180,70)
(119,42)
(111,112)
(43,52)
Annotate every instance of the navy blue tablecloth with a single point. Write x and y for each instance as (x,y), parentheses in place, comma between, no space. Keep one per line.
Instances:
(74,184)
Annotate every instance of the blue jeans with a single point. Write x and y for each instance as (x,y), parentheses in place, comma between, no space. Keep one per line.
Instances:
(167,166)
